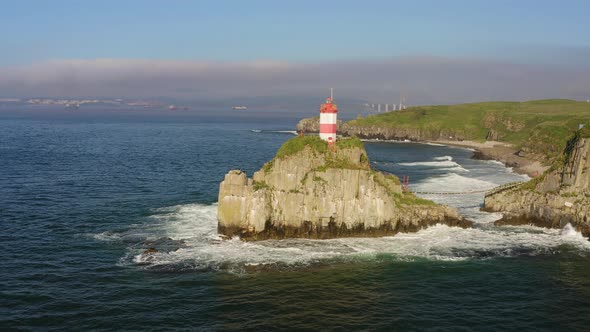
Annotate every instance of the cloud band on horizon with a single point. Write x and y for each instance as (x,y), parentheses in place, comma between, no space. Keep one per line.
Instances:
(424,79)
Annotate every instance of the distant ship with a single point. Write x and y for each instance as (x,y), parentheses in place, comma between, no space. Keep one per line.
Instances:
(174,108)
(239,108)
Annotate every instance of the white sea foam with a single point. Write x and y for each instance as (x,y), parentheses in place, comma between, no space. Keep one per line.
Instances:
(377,140)
(443,158)
(292,132)
(496,162)
(447,164)
(194,226)
(452,182)
(107,236)
(568,231)
(444,162)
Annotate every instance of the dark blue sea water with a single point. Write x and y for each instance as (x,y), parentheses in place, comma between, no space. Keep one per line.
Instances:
(82,197)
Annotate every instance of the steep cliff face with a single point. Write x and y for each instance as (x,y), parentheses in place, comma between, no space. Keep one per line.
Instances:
(575,174)
(311,191)
(560,196)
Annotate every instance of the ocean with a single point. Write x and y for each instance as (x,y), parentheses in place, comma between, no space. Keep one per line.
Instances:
(81,197)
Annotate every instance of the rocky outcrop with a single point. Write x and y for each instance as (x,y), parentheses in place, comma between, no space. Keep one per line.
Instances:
(312,125)
(310,191)
(559,197)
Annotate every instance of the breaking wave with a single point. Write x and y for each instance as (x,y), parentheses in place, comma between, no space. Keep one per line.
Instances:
(186,239)
(449,158)
(453,182)
(445,162)
(291,132)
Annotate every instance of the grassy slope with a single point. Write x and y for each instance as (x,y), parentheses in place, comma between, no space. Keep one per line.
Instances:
(298,143)
(541,126)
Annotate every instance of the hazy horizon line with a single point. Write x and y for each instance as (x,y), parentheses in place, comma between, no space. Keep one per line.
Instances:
(426,79)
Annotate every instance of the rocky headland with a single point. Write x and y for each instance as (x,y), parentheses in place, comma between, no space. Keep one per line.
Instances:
(311,191)
(558,197)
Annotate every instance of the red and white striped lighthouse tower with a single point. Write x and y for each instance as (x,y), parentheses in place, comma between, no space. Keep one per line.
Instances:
(328,114)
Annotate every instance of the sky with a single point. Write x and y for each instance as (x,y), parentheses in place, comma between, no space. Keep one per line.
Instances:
(434,51)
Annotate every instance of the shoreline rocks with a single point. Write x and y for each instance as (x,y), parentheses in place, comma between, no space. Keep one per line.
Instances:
(558,197)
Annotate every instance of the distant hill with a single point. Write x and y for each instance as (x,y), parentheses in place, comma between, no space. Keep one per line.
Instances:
(539,128)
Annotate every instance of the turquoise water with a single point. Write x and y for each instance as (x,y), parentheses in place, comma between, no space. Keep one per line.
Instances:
(80,199)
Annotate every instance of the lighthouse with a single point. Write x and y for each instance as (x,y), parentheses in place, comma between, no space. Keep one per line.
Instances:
(328,113)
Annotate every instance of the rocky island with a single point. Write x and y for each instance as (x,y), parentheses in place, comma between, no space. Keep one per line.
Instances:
(310,190)
(558,197)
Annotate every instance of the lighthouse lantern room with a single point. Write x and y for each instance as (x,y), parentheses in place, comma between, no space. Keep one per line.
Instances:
(328,114)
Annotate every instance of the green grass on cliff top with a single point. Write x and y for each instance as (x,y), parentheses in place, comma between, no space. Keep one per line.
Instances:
(299,143)
(540,126)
